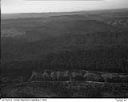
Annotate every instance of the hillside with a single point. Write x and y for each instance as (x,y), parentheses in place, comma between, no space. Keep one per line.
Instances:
(93,41)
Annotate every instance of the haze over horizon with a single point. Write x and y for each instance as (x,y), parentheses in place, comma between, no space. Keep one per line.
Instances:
(33,6)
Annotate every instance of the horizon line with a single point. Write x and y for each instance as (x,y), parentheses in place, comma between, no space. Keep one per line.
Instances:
(64,11)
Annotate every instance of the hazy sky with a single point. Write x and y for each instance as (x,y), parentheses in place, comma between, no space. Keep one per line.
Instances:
(24,6)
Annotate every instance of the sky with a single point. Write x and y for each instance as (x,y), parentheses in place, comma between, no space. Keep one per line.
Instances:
(37,6)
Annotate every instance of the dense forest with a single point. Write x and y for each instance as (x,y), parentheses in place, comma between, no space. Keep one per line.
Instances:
(94,41)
